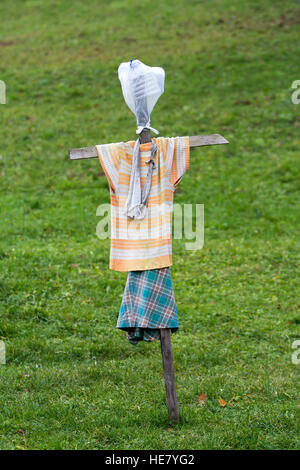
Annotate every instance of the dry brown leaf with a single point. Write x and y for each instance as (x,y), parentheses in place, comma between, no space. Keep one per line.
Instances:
(202,399)
(222,402)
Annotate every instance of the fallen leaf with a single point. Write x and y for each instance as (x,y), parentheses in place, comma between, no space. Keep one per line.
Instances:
(222,402)
(202,399)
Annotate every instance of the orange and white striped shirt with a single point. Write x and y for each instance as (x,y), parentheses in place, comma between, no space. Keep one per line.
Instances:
(137,245)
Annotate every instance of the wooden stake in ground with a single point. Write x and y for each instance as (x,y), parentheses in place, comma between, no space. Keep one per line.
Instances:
(170,384)
(165,334)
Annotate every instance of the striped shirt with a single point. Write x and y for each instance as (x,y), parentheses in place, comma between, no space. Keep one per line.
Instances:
(138,245)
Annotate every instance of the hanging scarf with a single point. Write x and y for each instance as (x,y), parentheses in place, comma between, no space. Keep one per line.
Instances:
(137,199)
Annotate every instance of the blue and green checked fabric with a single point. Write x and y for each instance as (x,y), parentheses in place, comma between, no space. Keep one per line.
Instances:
(148,304)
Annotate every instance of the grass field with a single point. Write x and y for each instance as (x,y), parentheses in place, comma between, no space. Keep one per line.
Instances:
(71,380)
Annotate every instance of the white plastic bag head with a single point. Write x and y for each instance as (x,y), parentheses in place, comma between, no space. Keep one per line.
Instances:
(142,86)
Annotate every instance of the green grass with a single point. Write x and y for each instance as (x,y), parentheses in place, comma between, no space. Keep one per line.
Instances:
(72,381)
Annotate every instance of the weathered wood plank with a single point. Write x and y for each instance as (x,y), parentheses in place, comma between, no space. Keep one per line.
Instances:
(195,141)
(203,140)
(170,384)
(145,136)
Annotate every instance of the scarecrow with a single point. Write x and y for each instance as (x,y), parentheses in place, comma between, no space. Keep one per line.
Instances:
(143,176)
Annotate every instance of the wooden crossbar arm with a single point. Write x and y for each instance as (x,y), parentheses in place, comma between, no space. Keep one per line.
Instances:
(195,141)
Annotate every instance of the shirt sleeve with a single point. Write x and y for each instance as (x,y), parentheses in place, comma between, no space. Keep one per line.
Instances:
(180,161)
(109,156)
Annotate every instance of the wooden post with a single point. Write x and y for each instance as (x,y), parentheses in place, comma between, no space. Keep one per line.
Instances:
(166,345)
(145,136)
(166,352)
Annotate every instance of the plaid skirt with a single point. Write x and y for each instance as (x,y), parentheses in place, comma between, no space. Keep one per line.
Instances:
(148,304)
